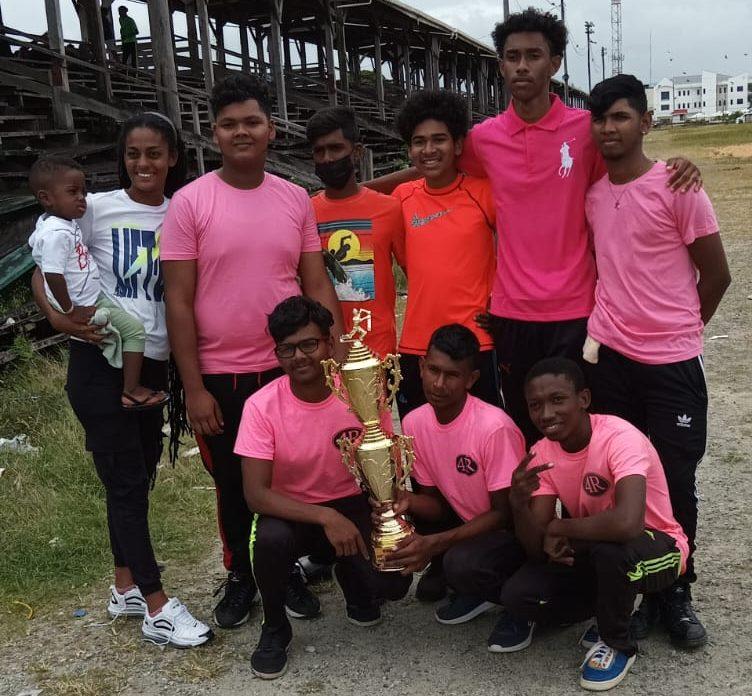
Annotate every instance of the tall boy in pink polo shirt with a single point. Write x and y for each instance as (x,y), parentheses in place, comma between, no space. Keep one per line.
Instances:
(234,244)
(293,475)
(465,453)
(540,159)
(619,539)
(662,272)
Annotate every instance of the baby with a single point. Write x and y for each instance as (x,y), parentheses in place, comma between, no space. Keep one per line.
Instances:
(71,277)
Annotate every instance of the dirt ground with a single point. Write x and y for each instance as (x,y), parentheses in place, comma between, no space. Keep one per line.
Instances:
(409,653)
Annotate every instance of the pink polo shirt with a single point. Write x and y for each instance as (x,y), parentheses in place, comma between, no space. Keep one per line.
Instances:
(300,438)
(585,481)
(468,458)
(539,174)
(247,246)
(646,301)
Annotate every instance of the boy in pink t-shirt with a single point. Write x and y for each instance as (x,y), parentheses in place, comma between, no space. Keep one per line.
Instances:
(306,501)
(465,453)
(662,272)
(619,538)
(234,244)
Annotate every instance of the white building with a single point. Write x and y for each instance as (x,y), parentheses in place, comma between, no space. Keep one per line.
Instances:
(701,96)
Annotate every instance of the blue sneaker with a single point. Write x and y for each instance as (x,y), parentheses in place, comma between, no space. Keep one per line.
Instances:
(462,608)
(591,636)
(604,668)
(510,634)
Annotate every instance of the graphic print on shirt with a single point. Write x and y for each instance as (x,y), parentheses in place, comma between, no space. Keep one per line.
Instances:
(567,160)
(135,263)
(466,465)
(348,256)
(594,484)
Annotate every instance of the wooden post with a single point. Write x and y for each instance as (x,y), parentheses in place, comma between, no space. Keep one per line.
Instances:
(497,100)
(321,58)
(378,73)
(469,86)
(483,85)
(62,112)
(331,78)
(435,61)
(275,50)
(344,76)
(95,33)
(258,39)
(408,69)
(245,55)
(453,85)
(301,48)
(164,59)
(190,22)
(286,49)
(354,64)
(220,37)
(206,50)
(366,164)
(197,130)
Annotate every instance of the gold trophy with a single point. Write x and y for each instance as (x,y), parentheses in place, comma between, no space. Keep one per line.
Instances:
(378,461)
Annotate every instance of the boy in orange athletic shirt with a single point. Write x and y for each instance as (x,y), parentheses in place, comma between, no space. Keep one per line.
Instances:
(360,229)
(449,219)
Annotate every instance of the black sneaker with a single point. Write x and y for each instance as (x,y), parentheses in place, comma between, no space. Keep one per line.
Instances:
(461,608)
(269,659)
(300,602)
(432,585)
(679,618)
(645,618)
(234,609)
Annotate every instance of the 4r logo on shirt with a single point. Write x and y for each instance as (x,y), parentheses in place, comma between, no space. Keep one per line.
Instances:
(594,484)
(466,465)
(135,262)
(350,434)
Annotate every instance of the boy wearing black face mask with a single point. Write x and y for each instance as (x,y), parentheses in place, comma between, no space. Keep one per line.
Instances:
(360,229)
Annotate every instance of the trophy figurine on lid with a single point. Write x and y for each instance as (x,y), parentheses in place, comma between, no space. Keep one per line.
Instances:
(378,461)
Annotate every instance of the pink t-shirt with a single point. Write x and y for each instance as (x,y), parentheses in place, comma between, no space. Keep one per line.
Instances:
(585,481)
(247,246)
(300,438)
(646,301)
(539,174)
(468,458)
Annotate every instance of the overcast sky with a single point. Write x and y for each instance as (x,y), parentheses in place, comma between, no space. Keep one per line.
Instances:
(688,36)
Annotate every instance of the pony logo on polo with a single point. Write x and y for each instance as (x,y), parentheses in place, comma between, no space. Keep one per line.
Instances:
(466,465)
(135,262)
(567,161)
(594,484)
(350,434)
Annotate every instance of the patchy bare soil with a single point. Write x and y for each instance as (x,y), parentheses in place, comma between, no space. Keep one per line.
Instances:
(410,653)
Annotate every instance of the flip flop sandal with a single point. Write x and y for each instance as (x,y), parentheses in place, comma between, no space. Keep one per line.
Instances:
(144,404)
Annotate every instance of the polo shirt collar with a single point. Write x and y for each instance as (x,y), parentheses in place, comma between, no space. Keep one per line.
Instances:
(550,122)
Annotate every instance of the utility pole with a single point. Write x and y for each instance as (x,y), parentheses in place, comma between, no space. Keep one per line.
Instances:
(603,62)
(507,93)
(589,29)
(565,76)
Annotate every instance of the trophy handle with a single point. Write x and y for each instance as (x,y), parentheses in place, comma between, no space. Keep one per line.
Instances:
(347,450)
(403,445)
(390,365)
(331,370)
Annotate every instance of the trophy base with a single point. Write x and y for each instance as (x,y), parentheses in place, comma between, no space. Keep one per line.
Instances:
(384,539)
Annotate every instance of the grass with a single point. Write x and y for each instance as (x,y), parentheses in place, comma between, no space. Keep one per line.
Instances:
(710,136)
(53,539)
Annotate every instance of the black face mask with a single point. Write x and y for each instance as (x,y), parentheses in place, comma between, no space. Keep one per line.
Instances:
(335,174)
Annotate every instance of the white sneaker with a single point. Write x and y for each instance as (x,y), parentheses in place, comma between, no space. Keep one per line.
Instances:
(174,625)
(130,603)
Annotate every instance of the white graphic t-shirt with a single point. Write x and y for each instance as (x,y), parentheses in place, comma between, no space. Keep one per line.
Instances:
(123,239)
(57,247)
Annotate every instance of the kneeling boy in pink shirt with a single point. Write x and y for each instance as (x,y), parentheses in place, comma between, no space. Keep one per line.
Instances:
(620,538)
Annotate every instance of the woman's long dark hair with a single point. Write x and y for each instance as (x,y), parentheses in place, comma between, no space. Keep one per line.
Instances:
(176,413)
(164,126)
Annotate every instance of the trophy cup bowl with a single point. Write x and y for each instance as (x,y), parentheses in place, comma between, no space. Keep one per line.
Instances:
(379,462)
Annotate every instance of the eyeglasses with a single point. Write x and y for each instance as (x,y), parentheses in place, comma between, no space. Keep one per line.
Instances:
(287,350)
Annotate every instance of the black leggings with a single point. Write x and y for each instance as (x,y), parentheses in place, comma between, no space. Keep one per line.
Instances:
(126,448)
(277,543)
